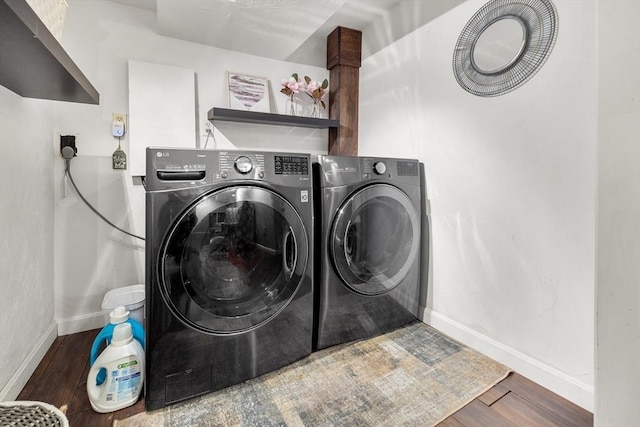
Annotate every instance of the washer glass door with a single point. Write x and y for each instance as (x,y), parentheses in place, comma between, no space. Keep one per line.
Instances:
(233,260)
(375,239)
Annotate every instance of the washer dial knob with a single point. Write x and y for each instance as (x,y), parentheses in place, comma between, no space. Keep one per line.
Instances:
(243,164)
(379,168)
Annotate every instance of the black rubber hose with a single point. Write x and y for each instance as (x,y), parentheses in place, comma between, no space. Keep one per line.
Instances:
(67,172)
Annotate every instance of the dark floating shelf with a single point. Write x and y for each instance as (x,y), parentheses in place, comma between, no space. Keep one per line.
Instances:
(32,62)
(228,115)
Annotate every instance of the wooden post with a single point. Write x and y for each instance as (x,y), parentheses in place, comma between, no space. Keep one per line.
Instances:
(344,55)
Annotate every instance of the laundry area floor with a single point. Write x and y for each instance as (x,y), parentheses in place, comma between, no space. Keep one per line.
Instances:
(60,380)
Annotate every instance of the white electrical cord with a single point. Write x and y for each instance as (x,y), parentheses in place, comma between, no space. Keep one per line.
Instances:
(67,171)
(206,141)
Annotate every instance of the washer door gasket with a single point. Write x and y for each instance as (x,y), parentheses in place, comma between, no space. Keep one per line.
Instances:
(539,22)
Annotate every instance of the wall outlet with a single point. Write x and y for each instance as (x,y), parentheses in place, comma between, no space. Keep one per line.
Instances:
(208,129)
(68,141)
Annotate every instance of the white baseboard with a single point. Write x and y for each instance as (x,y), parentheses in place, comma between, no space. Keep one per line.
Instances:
(17,382)
(82,323)
(576,391)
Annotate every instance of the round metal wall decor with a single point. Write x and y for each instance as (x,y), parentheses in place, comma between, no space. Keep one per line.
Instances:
(504,44)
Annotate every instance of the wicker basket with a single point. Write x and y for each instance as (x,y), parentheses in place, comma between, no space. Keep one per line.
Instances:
(28,413)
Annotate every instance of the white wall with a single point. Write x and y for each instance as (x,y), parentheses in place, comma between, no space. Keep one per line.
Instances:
(618,227)
(90,257)
(512,183)
(27,328)
(511,179)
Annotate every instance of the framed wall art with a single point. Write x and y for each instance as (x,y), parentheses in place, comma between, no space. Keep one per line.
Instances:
(248,93)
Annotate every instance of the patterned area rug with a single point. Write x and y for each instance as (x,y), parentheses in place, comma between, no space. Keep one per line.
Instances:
(412,376)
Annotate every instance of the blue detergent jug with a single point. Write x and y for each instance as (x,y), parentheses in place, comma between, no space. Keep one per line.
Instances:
(117,316)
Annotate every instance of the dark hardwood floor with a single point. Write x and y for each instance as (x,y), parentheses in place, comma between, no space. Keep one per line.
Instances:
(61,379)
(518,401)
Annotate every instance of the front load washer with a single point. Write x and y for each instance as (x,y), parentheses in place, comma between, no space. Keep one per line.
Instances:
(229,283)
(368,239)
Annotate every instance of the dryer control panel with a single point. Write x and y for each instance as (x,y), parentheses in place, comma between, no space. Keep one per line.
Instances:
(336,171)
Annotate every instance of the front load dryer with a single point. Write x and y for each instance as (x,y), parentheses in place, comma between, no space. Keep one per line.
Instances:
(229,292)
(368,238)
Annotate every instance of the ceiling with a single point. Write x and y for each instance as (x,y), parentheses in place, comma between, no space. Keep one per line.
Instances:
(289,30)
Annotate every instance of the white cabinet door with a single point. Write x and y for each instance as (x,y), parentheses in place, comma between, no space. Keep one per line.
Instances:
(162,110)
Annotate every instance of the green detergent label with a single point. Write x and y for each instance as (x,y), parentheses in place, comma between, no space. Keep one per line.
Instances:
(126,365)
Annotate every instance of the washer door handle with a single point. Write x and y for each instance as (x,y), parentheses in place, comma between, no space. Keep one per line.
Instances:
(289,245)
(346,245)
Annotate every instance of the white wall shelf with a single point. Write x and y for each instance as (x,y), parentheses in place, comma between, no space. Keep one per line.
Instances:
(33,64)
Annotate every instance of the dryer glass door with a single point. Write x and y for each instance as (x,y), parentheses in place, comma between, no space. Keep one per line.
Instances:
(375,239)
(233,260)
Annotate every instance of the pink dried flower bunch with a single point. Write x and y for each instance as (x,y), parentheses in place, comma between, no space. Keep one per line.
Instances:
(291,85)
(316,90)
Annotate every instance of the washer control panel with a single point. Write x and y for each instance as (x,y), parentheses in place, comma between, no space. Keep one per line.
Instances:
(240,164)
(291,165)
(172,168)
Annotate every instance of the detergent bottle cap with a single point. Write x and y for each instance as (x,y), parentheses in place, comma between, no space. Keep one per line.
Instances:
(119,315)
(122,334)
